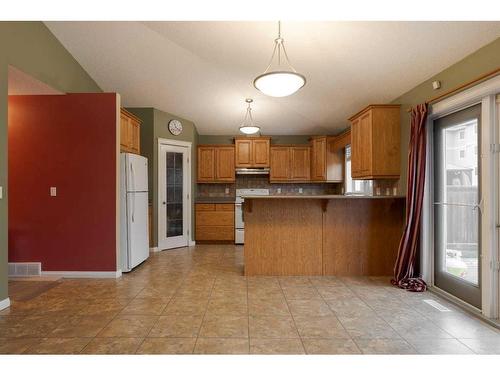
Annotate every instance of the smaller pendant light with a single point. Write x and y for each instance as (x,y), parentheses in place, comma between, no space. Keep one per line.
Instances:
(248,126)
(283,81)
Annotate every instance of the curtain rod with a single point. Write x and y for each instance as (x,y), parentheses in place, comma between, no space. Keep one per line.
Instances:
(475,81)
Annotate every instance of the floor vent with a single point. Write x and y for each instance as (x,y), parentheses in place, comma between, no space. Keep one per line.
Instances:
(24,269)
(436,305)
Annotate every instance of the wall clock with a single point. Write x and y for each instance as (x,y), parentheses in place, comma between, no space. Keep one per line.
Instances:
(175,127)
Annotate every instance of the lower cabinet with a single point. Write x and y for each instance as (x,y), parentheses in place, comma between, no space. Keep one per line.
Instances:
(214,222)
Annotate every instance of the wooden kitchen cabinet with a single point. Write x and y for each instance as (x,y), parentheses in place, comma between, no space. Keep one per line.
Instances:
(252,152)
(289,164)
(375,142)
(130,132)
(215,164)
(214,222)
(325,163)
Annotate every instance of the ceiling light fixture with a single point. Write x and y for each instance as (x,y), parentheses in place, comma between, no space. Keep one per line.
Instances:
(248,126)
(281,81)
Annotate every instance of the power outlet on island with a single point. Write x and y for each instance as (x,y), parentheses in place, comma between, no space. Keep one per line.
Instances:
(53,191)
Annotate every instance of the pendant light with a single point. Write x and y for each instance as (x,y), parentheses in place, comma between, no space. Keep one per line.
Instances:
(248,126)
(284,80)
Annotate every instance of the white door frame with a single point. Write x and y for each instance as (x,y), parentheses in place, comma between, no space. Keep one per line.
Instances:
(485,94)
(187,206)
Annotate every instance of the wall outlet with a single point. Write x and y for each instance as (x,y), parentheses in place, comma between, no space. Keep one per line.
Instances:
(53,191)
(226,191)
(278,190)
(301,190)
(1,192)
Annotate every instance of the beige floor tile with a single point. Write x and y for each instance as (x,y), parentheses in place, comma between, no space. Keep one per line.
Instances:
(294,281)
(301,292)
(320,327)
(272,326)
(176,326)
(440,346)
(276,346)
(326,281)
(15,345)
(129,326)
(483,345)
(350,306)
(309,308)
(107,345)
(221,346)
(385,346)
(81,326)
(418,329)
(368,327)
(186,306)
(335,292)
(330,346)
(226,306)
(462,326)
(144,306)
(164,294)
(35,326)
(224,326)
(54,345)
(268,307)
(103,306)
(167,346)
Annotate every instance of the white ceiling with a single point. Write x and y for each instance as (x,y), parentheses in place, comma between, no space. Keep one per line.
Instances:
(203,71)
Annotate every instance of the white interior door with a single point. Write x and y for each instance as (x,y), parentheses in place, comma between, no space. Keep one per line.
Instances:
(174,196)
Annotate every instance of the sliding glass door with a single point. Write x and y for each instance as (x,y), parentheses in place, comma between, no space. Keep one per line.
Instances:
(457,204)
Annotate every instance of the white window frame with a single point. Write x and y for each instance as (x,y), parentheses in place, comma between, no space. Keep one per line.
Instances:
(484,93)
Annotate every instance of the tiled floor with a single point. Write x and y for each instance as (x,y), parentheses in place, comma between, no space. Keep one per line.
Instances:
(197,301)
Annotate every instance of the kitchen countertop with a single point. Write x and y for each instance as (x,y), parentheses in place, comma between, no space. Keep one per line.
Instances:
(338,196)
(214,200)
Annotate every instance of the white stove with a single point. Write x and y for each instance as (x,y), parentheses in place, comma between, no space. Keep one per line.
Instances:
(239,224)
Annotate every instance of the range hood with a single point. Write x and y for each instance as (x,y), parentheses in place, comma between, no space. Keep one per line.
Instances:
(252,170)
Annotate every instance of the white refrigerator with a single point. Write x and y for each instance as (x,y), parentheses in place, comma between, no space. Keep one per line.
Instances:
(134,238)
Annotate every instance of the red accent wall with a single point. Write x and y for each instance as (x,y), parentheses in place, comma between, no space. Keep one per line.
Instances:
(66,141)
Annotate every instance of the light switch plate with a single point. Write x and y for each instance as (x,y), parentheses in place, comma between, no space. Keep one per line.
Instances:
(1,192)
(53,191)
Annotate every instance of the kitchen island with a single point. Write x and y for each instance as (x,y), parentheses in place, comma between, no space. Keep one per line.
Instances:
(322,235)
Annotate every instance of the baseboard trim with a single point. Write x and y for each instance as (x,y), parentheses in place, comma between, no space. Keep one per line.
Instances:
(154,250)
(191,243)
(4,303)
(85,274)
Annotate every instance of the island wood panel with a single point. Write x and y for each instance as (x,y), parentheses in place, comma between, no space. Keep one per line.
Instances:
(283,237)
(361,236)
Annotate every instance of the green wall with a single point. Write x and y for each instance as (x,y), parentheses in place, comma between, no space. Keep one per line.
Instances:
(478,63)
(155,125)
(31,47)
(275,139)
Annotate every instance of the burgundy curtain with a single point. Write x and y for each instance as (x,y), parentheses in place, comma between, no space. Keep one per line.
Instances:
(404,270)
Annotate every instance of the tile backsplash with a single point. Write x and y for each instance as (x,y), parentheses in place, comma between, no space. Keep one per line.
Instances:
(262,182)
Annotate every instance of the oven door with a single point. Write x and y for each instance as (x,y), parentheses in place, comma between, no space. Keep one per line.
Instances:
(238,216)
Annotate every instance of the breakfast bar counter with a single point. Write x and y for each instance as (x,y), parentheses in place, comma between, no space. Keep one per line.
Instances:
(322,234)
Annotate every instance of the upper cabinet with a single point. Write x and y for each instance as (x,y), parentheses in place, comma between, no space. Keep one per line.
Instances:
(215,164)
(130,132)
(375,142)
(290,164)
(326,163)
(252,152)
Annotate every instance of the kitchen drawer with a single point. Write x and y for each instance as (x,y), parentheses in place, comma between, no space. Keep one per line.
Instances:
(215,218)
(214,233)
(205,207)
(224,207)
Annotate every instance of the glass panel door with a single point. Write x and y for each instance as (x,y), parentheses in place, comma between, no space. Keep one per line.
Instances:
(174,202)
(173,213)
(457,198)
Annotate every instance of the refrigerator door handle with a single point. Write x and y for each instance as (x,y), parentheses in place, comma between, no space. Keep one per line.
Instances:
(132,177)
